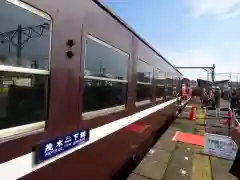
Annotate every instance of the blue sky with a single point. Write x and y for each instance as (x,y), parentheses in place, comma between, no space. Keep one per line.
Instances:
(188,32)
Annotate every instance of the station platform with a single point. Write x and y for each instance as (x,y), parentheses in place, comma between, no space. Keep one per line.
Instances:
(172,160)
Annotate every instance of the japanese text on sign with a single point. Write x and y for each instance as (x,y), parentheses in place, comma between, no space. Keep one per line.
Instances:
(218,145)
(54,147)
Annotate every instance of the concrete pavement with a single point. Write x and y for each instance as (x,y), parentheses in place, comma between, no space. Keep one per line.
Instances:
(169,160)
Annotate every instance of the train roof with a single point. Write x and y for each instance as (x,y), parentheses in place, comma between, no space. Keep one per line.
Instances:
(115,16)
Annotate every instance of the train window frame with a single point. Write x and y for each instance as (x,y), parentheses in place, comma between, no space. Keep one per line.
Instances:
(36,127)
(169,84)
(156,71)
(147,101)
(110,110)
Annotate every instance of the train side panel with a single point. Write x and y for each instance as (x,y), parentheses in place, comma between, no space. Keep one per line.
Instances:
(95,31)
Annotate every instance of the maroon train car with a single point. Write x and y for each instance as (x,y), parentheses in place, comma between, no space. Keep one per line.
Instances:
(70,65)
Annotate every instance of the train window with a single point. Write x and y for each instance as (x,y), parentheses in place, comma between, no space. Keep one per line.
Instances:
(170,87)
(174,86)
(159,78)
(177,92)
(103,60)
(105,76)
(179,86)
(24,68)
(144,81)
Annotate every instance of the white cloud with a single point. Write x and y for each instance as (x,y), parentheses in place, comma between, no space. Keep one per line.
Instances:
(214,7)
(229,15)
(193,50)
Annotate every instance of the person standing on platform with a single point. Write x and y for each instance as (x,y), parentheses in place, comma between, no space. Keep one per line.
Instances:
(235,134)
(205,98)
(234,102)
(202,95)
(238,102)
(217,96)
(208,94)
(229,95)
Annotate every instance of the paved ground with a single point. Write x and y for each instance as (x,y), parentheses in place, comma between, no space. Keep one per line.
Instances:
(216,125)
(168,160)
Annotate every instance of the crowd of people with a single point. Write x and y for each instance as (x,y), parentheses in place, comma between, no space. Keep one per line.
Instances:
(234,97)
(212,97)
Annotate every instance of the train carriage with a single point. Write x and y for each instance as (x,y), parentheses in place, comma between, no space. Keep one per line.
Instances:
(70,66)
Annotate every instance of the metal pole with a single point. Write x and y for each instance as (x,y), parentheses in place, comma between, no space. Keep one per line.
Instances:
(19,45)
(213,74)
(180,86)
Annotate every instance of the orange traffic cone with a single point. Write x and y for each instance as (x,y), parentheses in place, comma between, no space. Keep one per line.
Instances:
(191,114)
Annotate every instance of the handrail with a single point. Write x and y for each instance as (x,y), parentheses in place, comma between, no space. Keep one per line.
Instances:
(235,118)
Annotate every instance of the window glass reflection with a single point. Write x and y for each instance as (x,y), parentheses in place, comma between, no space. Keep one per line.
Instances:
(144,72)
(159,78)
(144,92)
(102,60)
(105,76)
(160,91)
(22,99)
(144,81)
(24,64)
(101,94)
(24,38)
(179,86)
(169,81)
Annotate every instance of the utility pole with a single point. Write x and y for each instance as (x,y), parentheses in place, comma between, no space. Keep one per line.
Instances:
(19,45)
(20,36)
(204,68)
(213,74)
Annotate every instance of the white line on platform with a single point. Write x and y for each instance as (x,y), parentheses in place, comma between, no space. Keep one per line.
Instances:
(174,137)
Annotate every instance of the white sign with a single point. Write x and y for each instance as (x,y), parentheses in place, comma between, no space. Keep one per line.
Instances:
(220,146)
